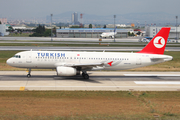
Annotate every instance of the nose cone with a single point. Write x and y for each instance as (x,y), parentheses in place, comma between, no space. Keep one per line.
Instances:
(9,62)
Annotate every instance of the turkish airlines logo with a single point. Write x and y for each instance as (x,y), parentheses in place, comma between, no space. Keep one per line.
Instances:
(159,42)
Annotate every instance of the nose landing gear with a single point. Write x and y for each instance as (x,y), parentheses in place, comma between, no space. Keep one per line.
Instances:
(29,73)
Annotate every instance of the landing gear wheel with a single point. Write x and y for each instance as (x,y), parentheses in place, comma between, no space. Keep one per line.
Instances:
(28,75)
(86,76)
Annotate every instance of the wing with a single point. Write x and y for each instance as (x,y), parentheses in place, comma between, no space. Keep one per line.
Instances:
(87,65)
(83,66)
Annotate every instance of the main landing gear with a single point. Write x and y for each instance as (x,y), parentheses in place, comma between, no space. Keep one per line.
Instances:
(85,75)
(29,73)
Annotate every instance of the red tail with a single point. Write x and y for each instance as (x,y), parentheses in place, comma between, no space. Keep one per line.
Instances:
(158,43)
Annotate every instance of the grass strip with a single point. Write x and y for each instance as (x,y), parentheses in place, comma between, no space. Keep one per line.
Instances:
(89,105)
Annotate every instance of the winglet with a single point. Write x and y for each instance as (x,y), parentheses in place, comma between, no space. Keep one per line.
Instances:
(158,43)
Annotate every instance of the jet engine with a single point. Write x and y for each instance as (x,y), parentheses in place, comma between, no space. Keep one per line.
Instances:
(66,71)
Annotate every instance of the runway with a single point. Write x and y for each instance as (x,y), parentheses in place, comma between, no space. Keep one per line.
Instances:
(132,39)
(46,40)
(99,81)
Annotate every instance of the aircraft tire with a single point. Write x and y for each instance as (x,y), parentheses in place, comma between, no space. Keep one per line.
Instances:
(86,76)
(28,75)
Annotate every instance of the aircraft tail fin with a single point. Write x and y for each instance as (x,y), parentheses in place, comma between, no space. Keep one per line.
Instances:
(115,29)
(158,43)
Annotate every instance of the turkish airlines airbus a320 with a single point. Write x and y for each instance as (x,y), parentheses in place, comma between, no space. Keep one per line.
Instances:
(69,63)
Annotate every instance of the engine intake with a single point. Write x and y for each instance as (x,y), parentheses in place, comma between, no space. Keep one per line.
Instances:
(66,71)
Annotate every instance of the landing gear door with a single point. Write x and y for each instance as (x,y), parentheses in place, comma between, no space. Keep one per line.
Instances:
(138,60)
(29,57)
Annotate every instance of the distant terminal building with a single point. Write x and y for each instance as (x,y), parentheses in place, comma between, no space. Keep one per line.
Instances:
(112,25)
(89,32)
(118,25)
(22,27)
(151,31)
(87,26)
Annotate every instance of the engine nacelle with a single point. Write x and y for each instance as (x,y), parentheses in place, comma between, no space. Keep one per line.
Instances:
(66,71)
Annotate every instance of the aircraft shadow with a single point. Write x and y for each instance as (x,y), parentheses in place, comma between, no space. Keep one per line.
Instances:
(93,79)
(44,78)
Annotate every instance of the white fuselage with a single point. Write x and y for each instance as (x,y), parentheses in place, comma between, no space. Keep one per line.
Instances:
(87,60)
(108,34)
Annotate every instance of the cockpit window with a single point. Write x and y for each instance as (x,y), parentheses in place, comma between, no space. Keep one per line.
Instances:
(17,56)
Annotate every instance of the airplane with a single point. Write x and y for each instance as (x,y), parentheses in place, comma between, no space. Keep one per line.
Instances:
(69,63)
(109,34)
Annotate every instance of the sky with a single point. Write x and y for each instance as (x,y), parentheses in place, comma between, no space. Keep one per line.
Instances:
(35,8)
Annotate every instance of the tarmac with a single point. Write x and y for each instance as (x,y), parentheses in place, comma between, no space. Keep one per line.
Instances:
(99,81)
(132,39)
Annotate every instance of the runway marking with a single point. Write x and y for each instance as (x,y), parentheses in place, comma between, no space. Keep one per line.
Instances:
(157,82)
(159,75)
